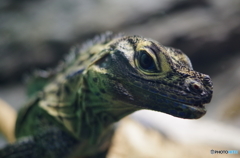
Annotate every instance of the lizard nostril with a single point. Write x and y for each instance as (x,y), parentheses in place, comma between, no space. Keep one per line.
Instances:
(195,87)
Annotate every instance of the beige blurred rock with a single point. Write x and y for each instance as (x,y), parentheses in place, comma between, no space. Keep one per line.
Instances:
(7,120)
(132,140)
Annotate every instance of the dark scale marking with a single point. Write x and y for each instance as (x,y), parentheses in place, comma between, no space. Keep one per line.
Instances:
(169,75)
(74,74)
(95,79)
(60,117)
(174,97)
(86,90)
(67,89)
(97,94)
(154,48)
(184,75)
(58,93)
(80,62)
(91,55)
(102,91)
(43,95)
(177,51)
(133,43)
(112,47)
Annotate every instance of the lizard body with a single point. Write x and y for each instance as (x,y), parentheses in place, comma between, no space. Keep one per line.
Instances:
(100,83)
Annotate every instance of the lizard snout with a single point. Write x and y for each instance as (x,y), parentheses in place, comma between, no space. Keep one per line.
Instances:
(195,86)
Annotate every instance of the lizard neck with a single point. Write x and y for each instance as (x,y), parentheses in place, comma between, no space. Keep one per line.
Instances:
(96,116)
(98,111)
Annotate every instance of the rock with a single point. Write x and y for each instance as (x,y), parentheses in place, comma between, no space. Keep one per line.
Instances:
(37,34)
(133,140)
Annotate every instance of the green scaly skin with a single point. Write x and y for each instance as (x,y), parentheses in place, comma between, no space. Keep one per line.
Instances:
(100,83)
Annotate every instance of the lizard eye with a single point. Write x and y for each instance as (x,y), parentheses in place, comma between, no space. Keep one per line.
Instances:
(146,61)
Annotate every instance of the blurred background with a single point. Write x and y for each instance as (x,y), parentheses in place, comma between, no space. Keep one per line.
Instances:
(37,35)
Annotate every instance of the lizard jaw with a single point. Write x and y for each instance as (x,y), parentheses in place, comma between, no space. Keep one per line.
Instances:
(177,109)
(198,109)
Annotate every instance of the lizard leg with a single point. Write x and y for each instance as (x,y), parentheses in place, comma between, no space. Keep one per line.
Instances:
(52,143)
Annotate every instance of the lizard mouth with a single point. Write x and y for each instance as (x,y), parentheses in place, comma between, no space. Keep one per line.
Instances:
(199,105)
(190,111)
(178,108)
(196,107)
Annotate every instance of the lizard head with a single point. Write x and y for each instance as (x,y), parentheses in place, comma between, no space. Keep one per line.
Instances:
(148,75)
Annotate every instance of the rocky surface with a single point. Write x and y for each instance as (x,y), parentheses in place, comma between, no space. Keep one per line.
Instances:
(133,140)
(36,34)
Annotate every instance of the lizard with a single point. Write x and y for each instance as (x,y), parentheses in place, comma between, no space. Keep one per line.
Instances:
(75,112)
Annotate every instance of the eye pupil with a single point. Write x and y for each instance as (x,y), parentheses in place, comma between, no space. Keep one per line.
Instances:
(146,61)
